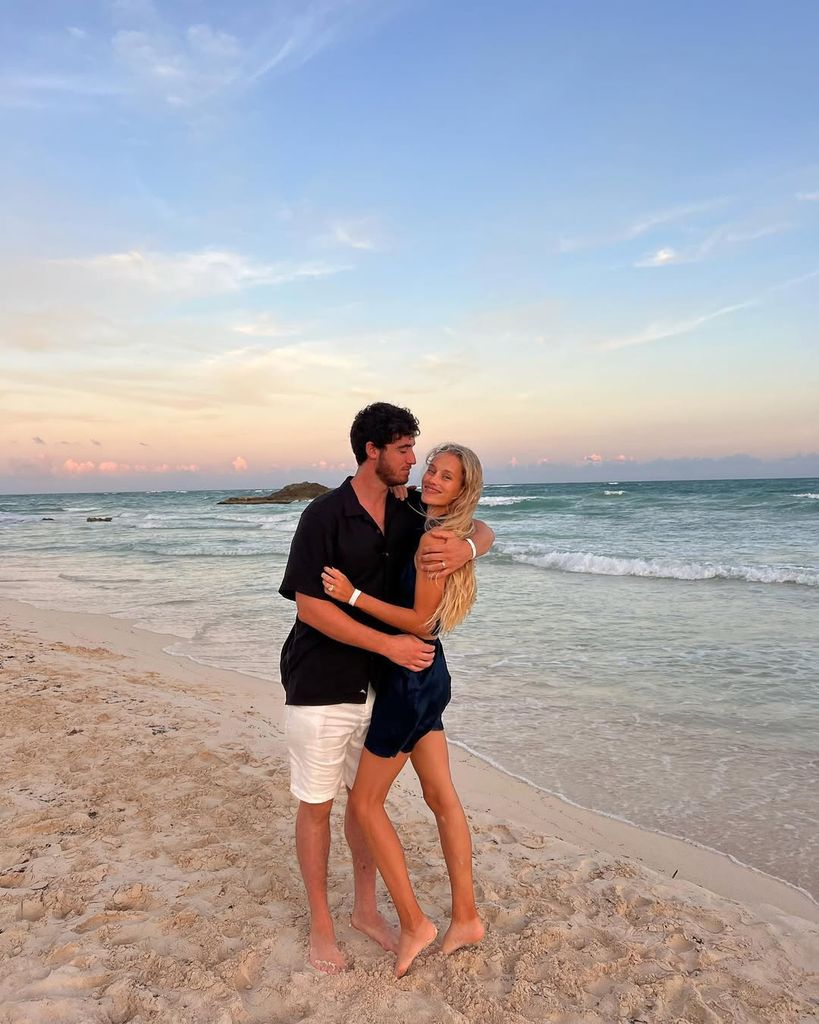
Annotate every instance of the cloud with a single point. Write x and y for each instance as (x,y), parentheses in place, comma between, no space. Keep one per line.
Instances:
(593,458)
(310,27)
(255,375)
(143,444)
(640,227)
(181,69)
(193,273)
(110,467)
(38,440)
(659,259)
(56,327)
(97,443)
(265,325)
(356,234)
(659,331)
(160,57)
(239,464)
(721,238)
(808,197)
(78,468)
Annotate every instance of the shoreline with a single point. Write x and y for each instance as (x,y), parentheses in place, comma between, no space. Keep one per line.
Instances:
(484,786)
(148,872)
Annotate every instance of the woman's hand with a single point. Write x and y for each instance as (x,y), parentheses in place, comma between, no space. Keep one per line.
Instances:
(336,584)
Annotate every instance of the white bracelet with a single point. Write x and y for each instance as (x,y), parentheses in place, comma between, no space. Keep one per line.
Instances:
(354,597)
(471,543)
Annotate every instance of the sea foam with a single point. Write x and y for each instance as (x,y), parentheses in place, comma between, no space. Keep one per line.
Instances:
(660,568)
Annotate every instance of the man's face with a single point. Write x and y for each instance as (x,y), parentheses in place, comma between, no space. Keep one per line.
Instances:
(395,461)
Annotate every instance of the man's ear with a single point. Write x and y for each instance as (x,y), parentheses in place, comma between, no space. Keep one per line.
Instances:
(372,450)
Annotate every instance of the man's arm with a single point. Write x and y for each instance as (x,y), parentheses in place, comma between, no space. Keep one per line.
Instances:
(327,618)
(454,552)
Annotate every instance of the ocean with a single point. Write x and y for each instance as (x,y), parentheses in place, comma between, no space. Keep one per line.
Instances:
(648,650)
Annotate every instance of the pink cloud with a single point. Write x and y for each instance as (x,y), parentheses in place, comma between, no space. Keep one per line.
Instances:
(624,458)
(78,468)
(593,458)
(114,467)
(239,464)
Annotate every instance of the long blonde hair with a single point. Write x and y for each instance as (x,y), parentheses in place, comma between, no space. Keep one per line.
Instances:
(461,588)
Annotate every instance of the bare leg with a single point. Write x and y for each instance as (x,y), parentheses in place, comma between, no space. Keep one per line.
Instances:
(366,917)
(430,759)
(375,776)
(313,851)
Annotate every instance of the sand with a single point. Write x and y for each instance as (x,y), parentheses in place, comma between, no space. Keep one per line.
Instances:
(147,872)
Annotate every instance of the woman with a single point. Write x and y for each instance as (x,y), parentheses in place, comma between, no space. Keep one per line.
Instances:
(406,723)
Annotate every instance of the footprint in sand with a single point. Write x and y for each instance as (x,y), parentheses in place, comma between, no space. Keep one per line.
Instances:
(680,944)
(504,919)
(108,917)
(132,897)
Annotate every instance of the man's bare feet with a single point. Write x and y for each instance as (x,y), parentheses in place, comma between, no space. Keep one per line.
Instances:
(411,943)
(325,955)
(378,929)
(463,933)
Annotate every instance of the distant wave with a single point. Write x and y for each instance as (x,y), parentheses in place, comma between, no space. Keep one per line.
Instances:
(84,508)
(610,493)
(660,568)
(508,499)
(807,494)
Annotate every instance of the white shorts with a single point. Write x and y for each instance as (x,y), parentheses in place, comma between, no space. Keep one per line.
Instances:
(325,744)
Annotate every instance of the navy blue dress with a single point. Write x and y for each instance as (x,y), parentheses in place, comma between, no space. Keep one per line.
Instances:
(408,704)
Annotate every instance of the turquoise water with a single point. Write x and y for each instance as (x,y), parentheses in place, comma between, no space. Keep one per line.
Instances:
(650,650)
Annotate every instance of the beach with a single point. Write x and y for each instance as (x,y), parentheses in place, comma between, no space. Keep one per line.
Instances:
(147,871)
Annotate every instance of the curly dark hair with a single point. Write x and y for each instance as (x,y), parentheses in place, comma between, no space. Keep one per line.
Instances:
(380,423)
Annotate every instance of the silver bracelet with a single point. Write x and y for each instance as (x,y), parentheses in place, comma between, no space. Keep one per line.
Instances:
(471,543)
(354,597)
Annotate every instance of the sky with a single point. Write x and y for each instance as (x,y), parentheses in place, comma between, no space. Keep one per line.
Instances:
(580,237)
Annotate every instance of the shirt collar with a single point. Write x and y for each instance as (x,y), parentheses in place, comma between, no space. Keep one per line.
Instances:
(349,500)
(353,507)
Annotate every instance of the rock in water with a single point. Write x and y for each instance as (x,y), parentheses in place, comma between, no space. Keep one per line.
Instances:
(292,492)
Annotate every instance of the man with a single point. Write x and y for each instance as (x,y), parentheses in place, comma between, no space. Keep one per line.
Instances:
(333,658)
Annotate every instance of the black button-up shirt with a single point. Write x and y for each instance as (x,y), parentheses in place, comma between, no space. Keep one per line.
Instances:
(336,530)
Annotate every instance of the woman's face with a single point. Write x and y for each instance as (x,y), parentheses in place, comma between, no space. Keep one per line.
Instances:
(443,481)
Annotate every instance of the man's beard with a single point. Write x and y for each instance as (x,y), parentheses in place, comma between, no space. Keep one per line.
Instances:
(392,478)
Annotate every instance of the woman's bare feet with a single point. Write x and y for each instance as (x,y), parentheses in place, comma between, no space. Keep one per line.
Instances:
(325,955)
(378,929)
(463,933)
(411,943)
